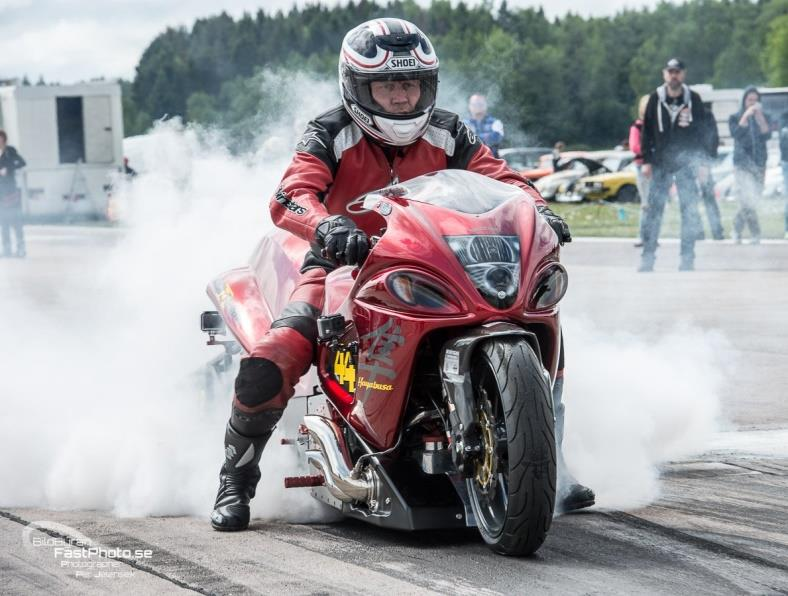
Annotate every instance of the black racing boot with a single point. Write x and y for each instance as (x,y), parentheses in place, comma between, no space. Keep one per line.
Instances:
(237,480)
(571,495)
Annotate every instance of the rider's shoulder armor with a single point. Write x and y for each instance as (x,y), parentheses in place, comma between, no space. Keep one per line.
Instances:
(447,131)
(332,133)
(324,136)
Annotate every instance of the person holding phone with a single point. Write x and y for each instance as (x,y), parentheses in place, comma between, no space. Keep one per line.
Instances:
(750,129)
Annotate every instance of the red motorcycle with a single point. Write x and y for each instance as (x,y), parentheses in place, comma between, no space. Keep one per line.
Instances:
(433,404)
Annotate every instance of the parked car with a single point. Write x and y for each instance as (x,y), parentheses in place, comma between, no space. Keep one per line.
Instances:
(545,165)
(595,163)
(523,158)
(612,186)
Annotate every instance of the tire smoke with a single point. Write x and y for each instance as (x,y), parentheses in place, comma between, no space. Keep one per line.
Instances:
(104,405)
(633,403)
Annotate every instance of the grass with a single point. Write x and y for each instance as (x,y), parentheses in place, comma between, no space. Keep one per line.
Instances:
(600,218)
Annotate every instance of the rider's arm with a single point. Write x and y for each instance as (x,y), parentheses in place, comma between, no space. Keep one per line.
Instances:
(296,205)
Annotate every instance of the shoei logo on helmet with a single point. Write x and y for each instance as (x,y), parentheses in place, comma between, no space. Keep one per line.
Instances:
(361,114)
(400,63)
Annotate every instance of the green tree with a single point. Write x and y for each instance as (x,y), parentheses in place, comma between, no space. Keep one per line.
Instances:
(201,107)
(135,121)
(572,77)
(776,53)
(739,64)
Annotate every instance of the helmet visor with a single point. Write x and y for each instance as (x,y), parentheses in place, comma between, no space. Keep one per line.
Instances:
(395,94)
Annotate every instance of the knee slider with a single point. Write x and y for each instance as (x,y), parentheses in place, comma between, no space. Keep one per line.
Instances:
(259,380)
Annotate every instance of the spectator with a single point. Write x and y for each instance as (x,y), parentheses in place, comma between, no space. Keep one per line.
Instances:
(635,134)
(10,198)
(750,129)
(487,128)
(558,149)
(784,160)
(706,180)
(671,145)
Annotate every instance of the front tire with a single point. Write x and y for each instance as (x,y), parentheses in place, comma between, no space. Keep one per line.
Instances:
(512,490)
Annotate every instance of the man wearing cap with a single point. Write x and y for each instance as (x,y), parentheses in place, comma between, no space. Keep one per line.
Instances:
(672,147)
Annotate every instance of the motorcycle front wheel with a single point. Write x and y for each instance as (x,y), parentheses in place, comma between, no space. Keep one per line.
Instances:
(512,489)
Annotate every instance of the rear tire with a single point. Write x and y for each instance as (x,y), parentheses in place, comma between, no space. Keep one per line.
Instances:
(513,494)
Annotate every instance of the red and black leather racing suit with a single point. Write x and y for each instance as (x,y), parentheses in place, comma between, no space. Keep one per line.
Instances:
(334,164)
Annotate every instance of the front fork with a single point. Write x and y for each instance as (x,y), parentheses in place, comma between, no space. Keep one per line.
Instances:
(456,356)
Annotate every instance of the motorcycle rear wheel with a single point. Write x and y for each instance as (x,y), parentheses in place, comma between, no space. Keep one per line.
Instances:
(512,491)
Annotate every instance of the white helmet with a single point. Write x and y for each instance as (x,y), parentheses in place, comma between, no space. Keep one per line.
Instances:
(387,50)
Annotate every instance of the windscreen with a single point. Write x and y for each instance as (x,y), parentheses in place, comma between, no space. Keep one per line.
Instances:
(459,190)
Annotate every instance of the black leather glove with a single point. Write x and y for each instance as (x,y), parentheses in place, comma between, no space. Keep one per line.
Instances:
(559,226)
(341,241)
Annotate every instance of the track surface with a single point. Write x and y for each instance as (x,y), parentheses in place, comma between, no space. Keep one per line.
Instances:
(720,526)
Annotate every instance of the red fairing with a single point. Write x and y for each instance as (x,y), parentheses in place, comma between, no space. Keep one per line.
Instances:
(384,330)
(238,298)
(279,256)
(388,332)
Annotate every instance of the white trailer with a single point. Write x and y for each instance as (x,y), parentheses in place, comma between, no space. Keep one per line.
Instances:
(72,139)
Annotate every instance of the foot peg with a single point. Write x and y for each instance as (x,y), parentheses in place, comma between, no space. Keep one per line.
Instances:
(305,481)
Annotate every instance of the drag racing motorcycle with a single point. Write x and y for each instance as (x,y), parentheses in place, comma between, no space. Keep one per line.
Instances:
(430,404)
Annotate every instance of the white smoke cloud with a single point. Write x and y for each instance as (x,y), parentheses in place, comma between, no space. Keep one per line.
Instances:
(101,407)
(633,403)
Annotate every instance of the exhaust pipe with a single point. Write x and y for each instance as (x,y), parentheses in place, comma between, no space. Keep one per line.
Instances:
(344,483)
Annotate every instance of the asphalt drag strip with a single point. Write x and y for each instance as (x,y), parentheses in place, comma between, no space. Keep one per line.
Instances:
(719,528)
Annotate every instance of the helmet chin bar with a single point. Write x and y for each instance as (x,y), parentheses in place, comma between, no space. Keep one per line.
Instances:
(402,132)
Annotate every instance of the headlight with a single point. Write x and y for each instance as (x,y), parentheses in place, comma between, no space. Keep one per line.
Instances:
(420,292)
(594,185)
(415,290)
(492,263)
(550,288)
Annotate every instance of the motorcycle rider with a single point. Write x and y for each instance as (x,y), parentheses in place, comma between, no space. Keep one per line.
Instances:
(386,130)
